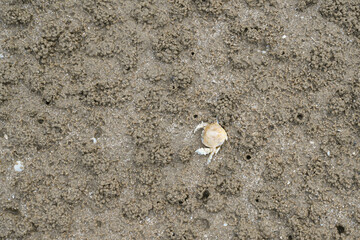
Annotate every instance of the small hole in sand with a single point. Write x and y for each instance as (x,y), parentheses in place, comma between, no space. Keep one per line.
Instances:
(300,116)
(340,229)
(205,195)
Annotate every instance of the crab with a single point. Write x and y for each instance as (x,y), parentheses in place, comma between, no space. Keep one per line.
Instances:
(213,136)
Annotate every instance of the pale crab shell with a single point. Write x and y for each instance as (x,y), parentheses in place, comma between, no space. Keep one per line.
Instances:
(213,135)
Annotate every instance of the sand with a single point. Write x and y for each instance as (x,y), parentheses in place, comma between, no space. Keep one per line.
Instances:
(99,100)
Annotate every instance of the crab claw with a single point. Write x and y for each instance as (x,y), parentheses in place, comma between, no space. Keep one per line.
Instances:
(203,151)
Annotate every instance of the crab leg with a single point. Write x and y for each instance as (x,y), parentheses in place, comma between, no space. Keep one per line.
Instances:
(206,151)
(201,125)
(213,152)
(217,149)
(210,157)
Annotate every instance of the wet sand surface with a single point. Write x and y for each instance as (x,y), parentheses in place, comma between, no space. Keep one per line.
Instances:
(99,100)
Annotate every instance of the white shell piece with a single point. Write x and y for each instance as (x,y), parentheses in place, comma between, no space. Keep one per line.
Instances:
(19,166)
